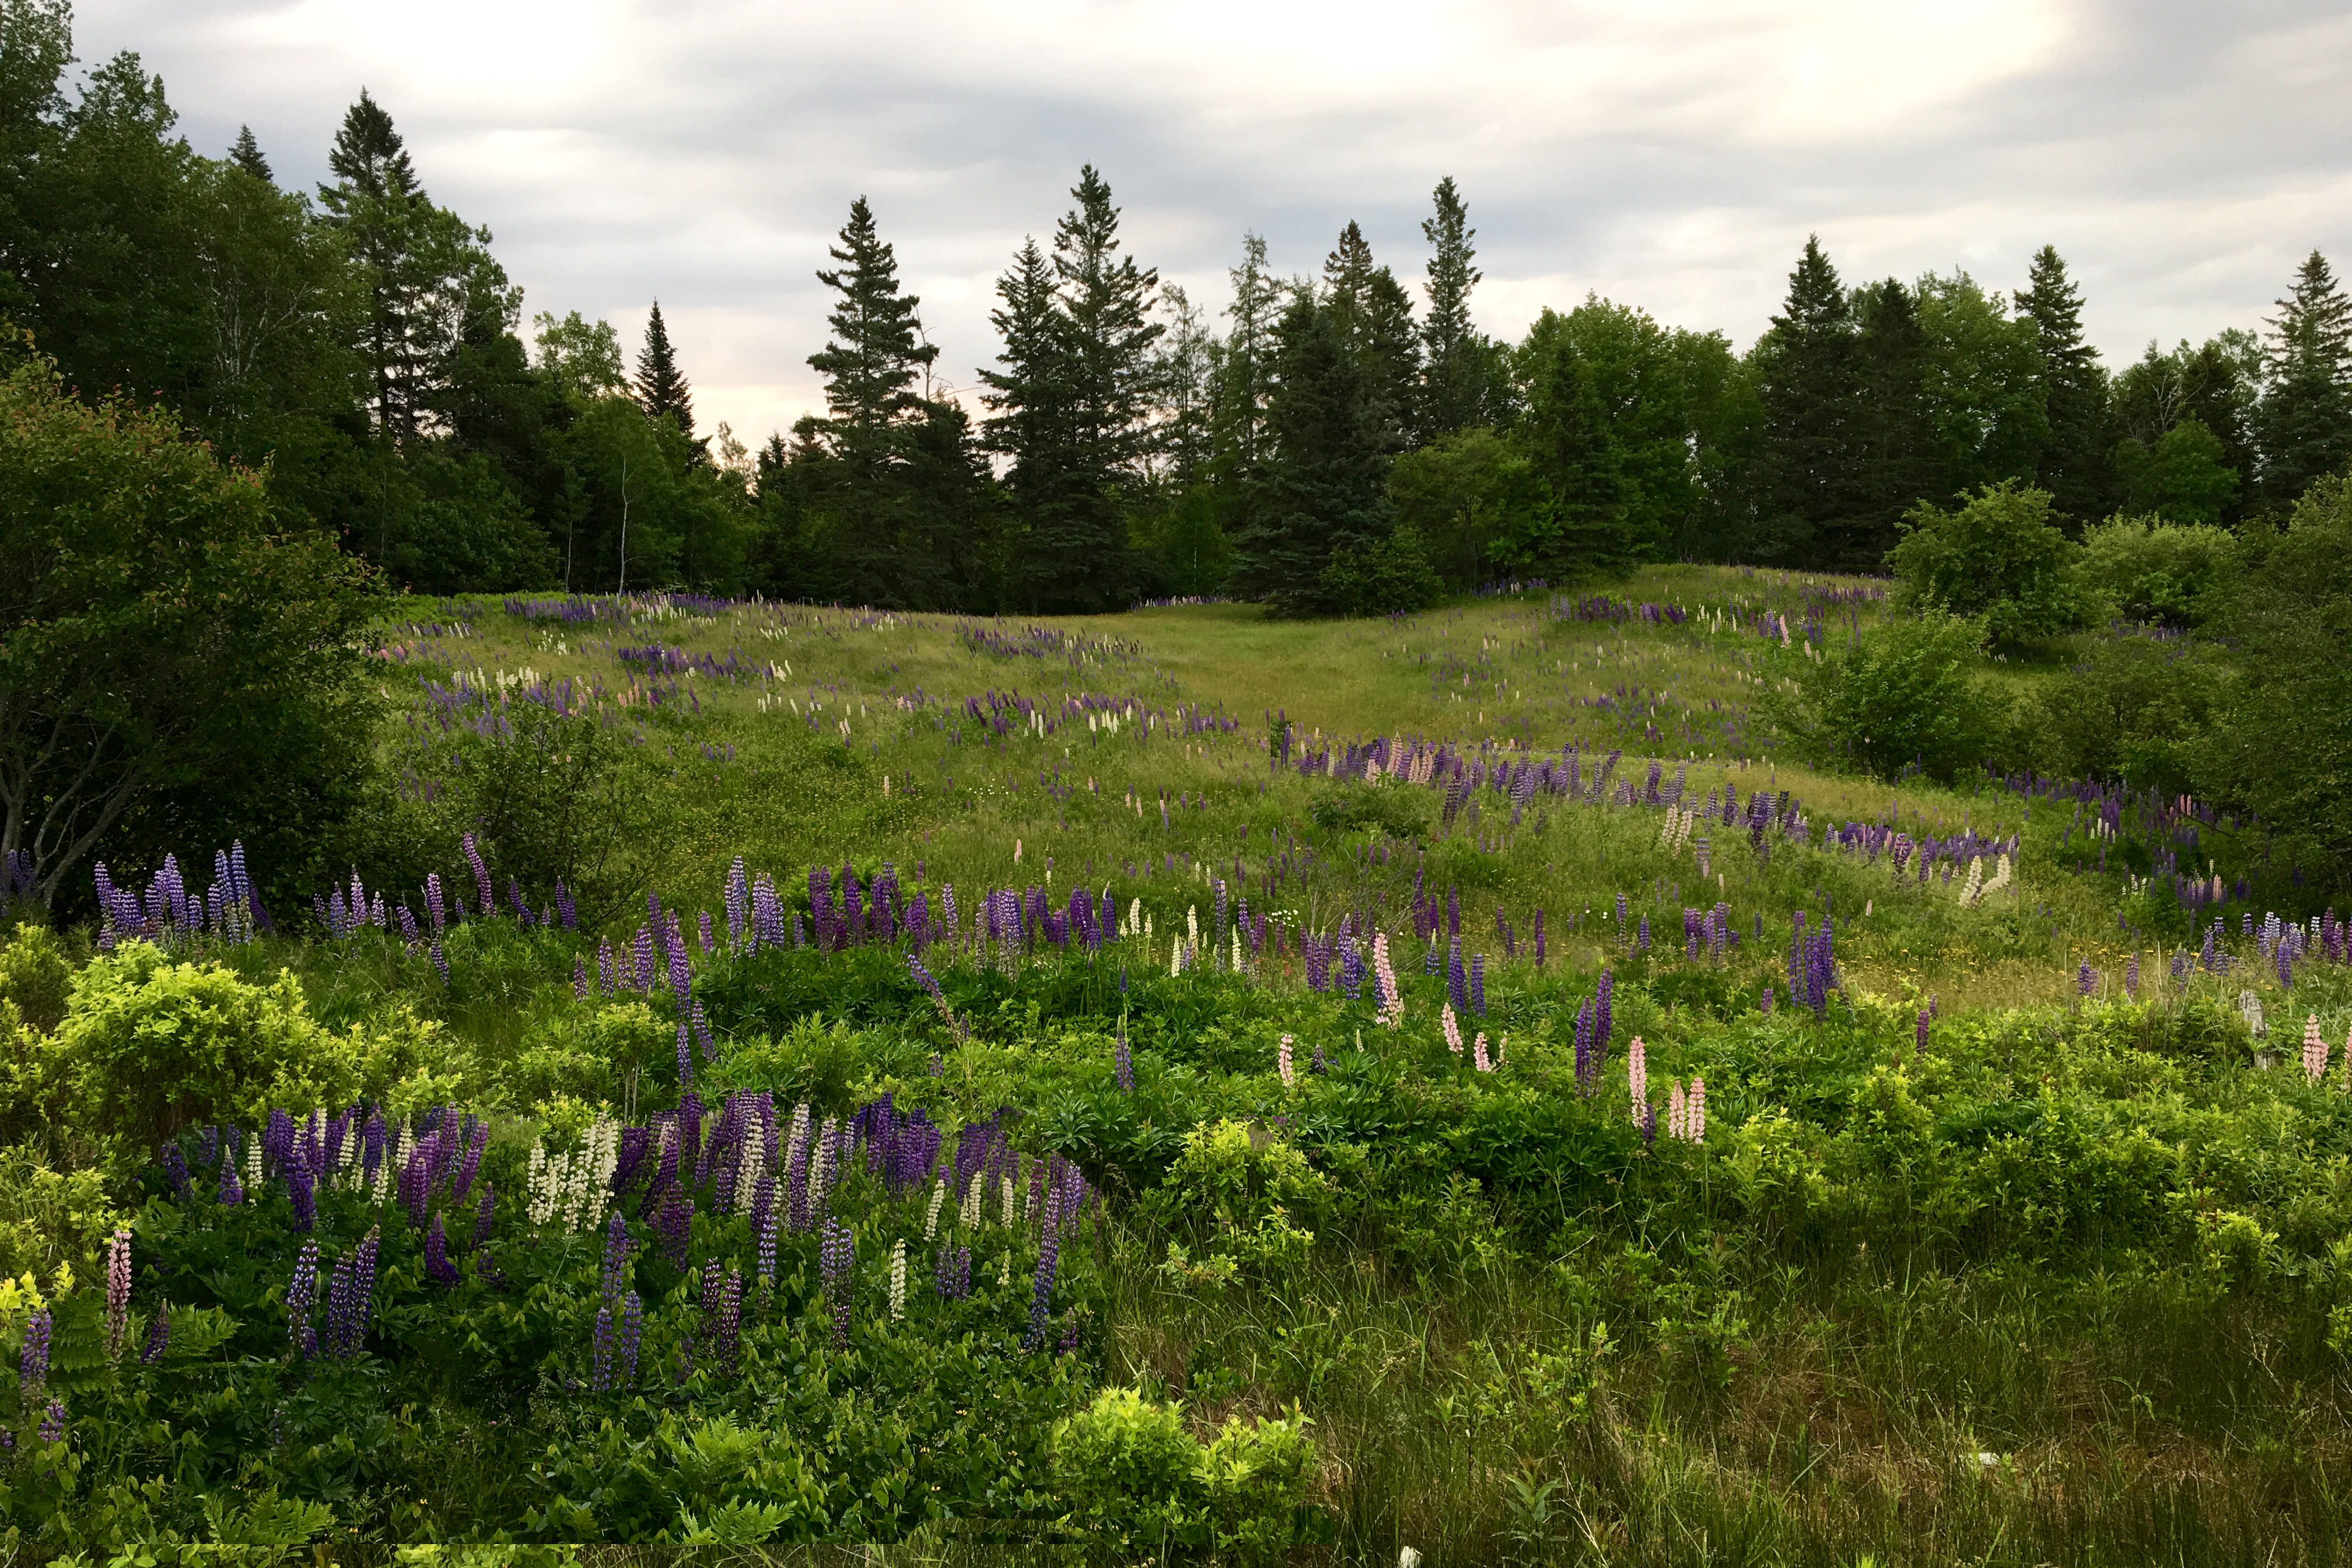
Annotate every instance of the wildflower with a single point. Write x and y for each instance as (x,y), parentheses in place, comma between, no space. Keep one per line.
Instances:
(159,1335)
(1446,1021)
(117,1290)
(1479,1053)
(951,1273)
(600,1381)
(1923,1032)
(729,1334)
(33,1363)
(2131,977)
(53,1423)
(633,1325)
(931,1216)
(2314,1049)
(1049,1262)
(2087,979)
(1123,1059)
(837,1254)
(302,1298)
(1637,1078)
(1282,1061)
(898,1276)
(1478,984)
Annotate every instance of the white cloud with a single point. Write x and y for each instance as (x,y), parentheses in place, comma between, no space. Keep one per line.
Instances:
(1673,155)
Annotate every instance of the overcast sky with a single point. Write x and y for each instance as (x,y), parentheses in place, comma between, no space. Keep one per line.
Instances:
(2183,157)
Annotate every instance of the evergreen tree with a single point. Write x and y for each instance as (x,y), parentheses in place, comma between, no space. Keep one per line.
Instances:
(1896,460)
(662,390)
(1033,402)
(1324,491)
(245,154)
(1811,387)
(876,353)
(2306,417)
(1461,380)
(2074,466)
(378,203)
(1374,315)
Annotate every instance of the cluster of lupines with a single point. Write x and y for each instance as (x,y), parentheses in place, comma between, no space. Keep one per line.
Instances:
(1709,933)
(118,1292)
(351,1299)
(169,913)
(1686,1111)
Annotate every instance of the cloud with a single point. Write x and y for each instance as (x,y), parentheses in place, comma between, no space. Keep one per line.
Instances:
(1673,155)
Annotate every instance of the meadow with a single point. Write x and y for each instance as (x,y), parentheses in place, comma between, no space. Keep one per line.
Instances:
(1183,1085)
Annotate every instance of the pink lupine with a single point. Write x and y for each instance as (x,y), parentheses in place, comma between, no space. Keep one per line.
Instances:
(1637,1078)
(2314,1049)
(1453,1030)
(1282,1062)
(1694,1121)
(1678,1109)
(1479,1053)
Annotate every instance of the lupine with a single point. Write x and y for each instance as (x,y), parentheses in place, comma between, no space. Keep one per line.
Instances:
(1041,1299)
(1446,1021)
(301,1299)
(898,1279)
(1282,1061)
(951,1273)
(2131,977)
(232,1191)
(633,1327)
(1123,1059)
(2087,979)
(481,874)
(600,1381)
(1479,1053)
(2314,1049)
(1637,1078)
(53,1423)
(730,1320)
(118,1289)
(1478,984)
(33,1363)
(836,1257)
(159,1335)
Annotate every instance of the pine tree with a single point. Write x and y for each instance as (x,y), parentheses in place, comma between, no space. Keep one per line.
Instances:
(662,389)
(368,158)
(1810,390)
(2304,421)
(2073,466)
(1374,315)
(376,201)
(245,154)
(1032,402)
(1898,463)
(1461,369)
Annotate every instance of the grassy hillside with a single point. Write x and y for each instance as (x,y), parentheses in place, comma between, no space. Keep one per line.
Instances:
(2000,1237)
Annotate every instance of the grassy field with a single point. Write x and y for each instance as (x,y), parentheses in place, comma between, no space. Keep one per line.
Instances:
(2003,1239)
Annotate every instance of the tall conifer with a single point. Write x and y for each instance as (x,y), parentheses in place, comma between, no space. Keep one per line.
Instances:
(2073,466)
(1810,390)
(2304,422)
(661,388)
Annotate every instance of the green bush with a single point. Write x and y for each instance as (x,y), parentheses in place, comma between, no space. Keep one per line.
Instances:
(1893,698)
(149,1047)
(2179,477)
(36,975)
(1133,1475)
(1393,574)
(2145,569)
(50,1217)
(1997,559)
(2133,708)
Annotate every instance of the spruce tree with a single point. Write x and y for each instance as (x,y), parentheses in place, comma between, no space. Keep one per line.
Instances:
(662,389)
(1031,402)
(377,201)
(1810,389)
(1323,491)
(1374,315)
(368,158)
(1896,460)
(2304,422)
(2073,466)
(245,154)
(1461,371)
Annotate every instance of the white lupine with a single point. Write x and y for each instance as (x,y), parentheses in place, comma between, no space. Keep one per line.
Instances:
(932,1219)
(1237,950)
(1192,922)
(1973,889)
(898,1277)
(540,1184)
(1008,1200)
(970,1212)
(252,1164)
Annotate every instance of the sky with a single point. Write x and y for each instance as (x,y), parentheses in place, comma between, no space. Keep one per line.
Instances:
(2183,158)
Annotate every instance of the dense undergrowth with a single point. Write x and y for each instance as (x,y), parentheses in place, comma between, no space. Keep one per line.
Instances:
(1060,1208)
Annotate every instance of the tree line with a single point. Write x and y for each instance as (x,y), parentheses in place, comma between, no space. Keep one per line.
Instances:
(1333,442)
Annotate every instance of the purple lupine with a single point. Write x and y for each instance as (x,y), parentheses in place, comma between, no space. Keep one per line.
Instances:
(685,1055)
(616,1259)
(2087,979)
(579,978)
(482,1219)
(632,1329)
(118,1292)
(1767,999)
(53,1423)
(301,1301)
(951,1273)
(1478,984)
(600,1380)
(437,1267)
(440,960)
(1041,1295)
(350,1297)
(481,875)
(1642,935)
(702,1033)
(1122,1059)
(232,1191)
(298,1192)
(2131,977)
(159,1335)
(1457,981)
(477,1138)
(436,906)
(1603,1017)
(836,1257)
(730,1320)
(703,932)
(33,1363)
(1923,1032)
(176,1171)
(674,1221)
(764,1228)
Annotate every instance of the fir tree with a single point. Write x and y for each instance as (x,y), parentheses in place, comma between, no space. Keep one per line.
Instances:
(876,353)
(1810,390)
(1030,400)
(245,154)
(377,201)
(368,158)
(661,388)
(1374,315)
(1461,369)
(1896,460)
(2073,466)
(2304,421)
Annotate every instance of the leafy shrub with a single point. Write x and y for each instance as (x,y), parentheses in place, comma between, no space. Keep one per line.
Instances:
(1245,1186)
(2179,475)
(1997,559)
(36,975)
(2133,708)
(1133,1475)
(149,1047)
(1895,697)
(2145,569)
(49,1216)
(1464,491)
(1391,575)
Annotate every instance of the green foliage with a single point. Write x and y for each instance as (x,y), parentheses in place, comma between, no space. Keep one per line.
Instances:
(1389,576)
(2145,569)
(2133,708)
(1995,558)
(50,1217)
(150,1046)
(36,975)
(1464,492)
(1137,1478)
(2180,478)
(1899,697)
